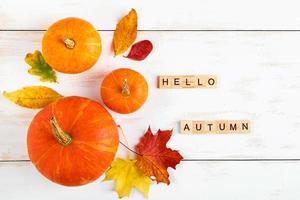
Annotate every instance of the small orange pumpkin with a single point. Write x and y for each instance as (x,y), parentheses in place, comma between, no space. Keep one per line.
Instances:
(72,141)
(71,45)
(124,90)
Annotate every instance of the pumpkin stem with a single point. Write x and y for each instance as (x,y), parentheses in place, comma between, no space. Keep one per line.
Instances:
(61,136)
(125,88)
(70,43)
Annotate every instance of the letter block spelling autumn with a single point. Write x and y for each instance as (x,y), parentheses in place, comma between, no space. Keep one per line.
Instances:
(217,126)
(187,81)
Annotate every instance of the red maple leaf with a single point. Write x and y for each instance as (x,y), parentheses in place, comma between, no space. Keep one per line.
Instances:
(154,157)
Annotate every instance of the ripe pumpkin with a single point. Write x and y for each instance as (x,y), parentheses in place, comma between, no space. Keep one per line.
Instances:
(72,141)
(124,90)
(71,45)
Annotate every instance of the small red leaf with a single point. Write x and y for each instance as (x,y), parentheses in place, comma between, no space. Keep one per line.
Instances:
(140,50)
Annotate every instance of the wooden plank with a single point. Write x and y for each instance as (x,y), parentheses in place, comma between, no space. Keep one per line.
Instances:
(155,14)
(259,72)
(192,180)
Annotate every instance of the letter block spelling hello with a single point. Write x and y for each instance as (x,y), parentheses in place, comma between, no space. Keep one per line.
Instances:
(216,127)
(187,81)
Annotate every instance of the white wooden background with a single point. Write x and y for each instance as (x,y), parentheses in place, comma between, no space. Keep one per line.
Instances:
(253,47)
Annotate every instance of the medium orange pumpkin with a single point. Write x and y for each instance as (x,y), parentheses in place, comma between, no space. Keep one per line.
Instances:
(124,90)
(71,45)
(72,141)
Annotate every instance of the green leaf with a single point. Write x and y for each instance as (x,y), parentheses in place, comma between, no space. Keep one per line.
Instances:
(39,67)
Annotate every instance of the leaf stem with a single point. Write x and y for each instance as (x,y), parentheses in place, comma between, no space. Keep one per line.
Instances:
(126,145)
(130,149)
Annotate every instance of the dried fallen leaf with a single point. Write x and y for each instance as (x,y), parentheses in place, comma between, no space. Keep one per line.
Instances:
(127,176)
(33,96)
(140,50)
(154,157)
(125,33)
(39,67)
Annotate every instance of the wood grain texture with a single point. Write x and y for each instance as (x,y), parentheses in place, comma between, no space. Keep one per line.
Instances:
(155,14)
(258,80)
(192,180)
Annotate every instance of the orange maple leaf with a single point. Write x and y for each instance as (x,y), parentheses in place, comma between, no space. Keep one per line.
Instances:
(154,157)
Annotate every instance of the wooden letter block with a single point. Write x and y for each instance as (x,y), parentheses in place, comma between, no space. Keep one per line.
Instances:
(216,126)
(187,81)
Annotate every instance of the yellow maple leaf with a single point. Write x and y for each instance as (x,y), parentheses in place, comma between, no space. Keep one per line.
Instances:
(125,33)
(33,96)
(127,176)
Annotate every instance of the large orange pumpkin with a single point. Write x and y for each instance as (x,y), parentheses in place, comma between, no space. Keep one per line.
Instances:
(71,45)
(72,141)
(124,90)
